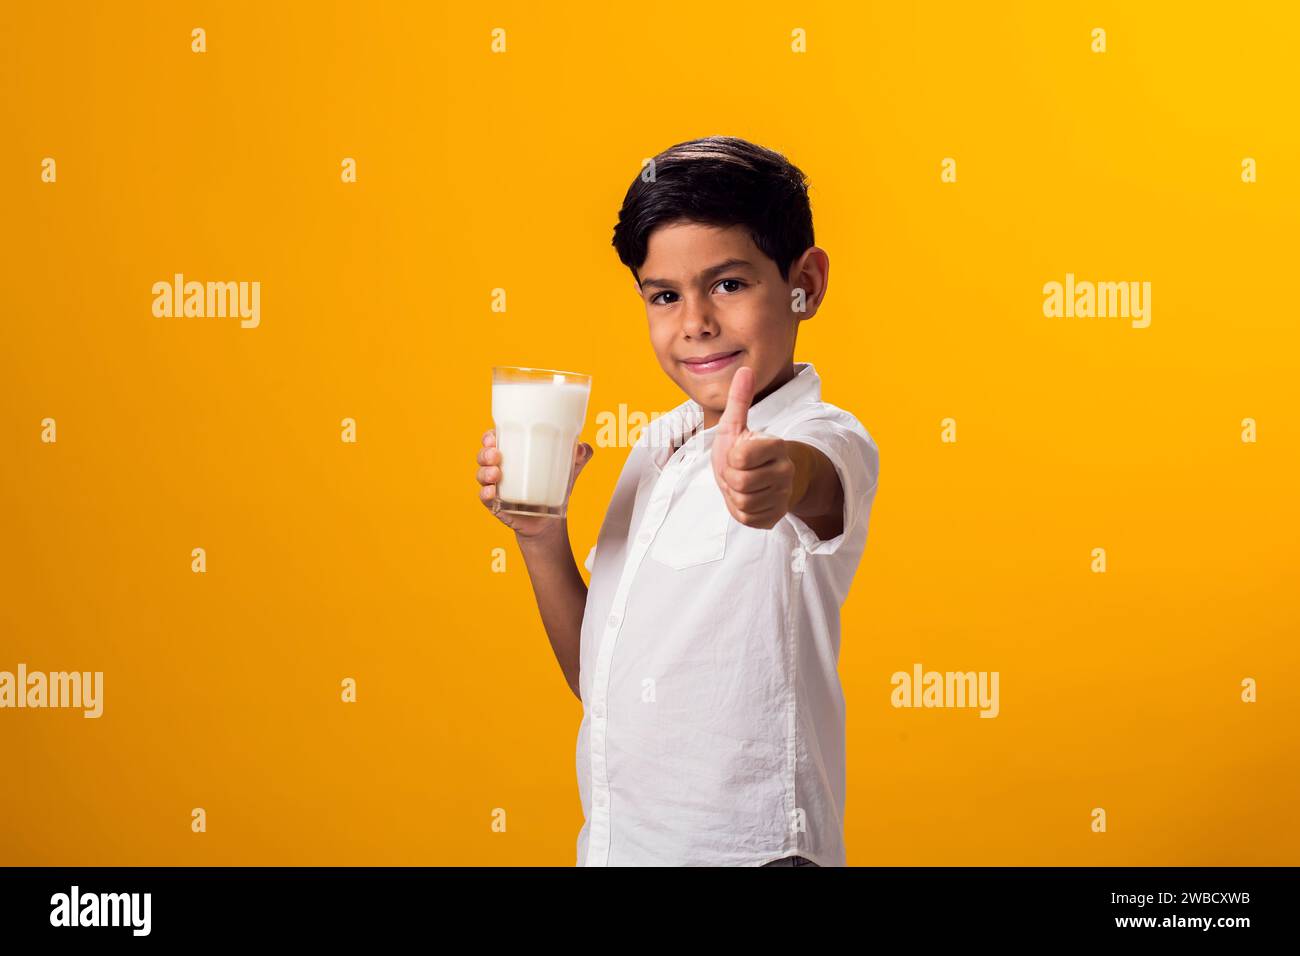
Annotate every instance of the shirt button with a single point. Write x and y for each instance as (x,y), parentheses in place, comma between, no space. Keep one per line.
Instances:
(645,537)
(598,709)
(613,620)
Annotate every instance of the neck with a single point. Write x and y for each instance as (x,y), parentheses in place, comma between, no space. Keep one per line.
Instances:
(711,416)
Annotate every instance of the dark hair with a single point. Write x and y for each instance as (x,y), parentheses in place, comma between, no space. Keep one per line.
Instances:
(719,181)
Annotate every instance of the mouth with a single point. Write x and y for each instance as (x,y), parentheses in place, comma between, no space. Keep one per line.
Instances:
(707,364)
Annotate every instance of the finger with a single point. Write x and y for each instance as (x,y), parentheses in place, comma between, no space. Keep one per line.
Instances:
(749,482)
(488,475)
(581,455)
(756,499)
(765,518)
(488,456)
(755,452)
(739,396)
(490,438)
(751,503)
(488,495)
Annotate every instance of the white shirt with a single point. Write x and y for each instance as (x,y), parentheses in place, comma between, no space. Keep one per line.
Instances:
(713,719)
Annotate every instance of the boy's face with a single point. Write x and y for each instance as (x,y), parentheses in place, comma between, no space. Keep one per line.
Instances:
(709,290)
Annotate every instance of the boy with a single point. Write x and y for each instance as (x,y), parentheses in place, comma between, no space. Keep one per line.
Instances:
(705,649)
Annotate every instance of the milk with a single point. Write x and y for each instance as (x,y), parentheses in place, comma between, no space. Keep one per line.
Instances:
(537,427)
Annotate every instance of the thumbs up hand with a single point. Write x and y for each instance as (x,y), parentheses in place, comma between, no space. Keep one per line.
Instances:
(756,472)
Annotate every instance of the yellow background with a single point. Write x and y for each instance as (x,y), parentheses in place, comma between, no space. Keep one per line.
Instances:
(475,171)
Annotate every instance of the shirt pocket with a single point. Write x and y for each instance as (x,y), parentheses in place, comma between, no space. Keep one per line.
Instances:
(694,531)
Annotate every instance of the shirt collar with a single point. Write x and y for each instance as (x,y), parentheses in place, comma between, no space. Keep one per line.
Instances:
(672,429)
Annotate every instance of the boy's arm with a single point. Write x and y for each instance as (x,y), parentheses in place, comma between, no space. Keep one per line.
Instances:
(821,475)
(560,592)
(818,496)
(836,438)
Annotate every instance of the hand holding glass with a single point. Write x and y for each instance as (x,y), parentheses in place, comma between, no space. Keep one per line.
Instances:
(539,414)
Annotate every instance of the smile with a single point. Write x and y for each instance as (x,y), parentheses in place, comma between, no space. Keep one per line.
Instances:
(714,363)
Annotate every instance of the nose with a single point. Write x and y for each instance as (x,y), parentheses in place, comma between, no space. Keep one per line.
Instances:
(698,321)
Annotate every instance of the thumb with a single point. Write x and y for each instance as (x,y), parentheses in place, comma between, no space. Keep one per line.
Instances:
(581,455)
(734,420)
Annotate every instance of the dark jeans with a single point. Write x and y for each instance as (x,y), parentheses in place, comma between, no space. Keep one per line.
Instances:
(791,861)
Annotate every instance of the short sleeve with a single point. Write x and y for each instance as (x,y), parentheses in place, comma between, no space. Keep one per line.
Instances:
(591,559)
(848,446)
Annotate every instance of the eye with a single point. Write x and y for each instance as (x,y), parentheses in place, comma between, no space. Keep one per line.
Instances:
(654,299)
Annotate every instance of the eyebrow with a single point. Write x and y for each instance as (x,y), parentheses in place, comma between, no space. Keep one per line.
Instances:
(708,273)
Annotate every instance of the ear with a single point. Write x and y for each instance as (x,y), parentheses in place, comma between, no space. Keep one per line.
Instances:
(811,272)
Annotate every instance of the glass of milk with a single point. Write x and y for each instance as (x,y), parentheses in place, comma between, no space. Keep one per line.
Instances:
(539,414)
